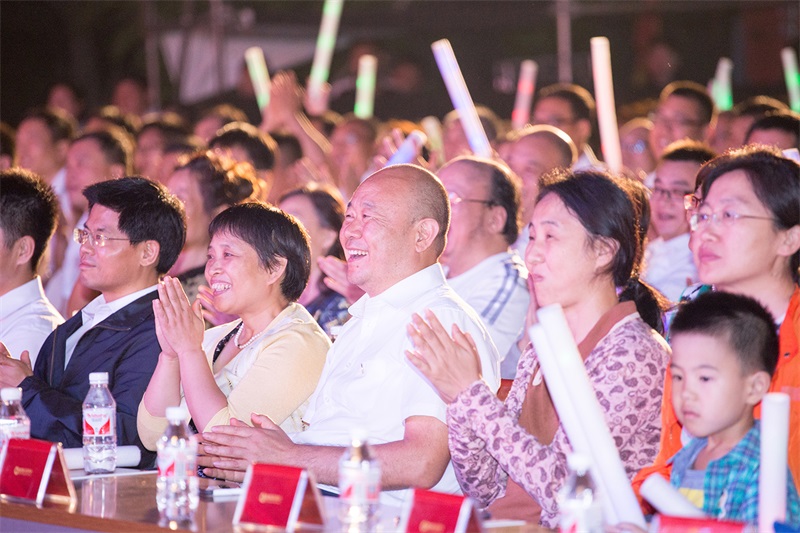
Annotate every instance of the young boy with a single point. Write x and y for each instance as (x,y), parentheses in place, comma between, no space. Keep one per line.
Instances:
(724,351)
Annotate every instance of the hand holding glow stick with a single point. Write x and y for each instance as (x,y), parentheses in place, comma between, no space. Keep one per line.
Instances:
(772,475)
(606,110)
(792,77)
(433,129)
(462,101)
(409,150)
(259,75)
(525,89)
(721,90)
(365,86)
(326,43)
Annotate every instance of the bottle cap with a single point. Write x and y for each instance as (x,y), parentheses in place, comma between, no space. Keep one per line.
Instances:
(8,394)
(579,462)
(177,414)
(98,377)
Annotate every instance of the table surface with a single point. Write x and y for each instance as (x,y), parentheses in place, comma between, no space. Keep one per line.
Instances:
(118,504)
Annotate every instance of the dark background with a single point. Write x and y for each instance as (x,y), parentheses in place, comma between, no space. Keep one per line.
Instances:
(92,43)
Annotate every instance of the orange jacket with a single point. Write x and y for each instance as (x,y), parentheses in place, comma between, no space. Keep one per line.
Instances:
(786,379)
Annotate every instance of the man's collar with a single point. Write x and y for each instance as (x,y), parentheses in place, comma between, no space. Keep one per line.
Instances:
(404,291)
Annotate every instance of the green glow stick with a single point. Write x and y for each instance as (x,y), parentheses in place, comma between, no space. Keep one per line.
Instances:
(721,90)
(257,67)
(326,42)
(365,86)
(789,57)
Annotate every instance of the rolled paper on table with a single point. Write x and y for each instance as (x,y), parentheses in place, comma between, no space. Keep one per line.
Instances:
(462,101)
(127,456)
(721,90)
(365,86)
(259,75)
(525,88)
(433,129)
(666,498)
(792,77)
(772,475)
(606,110)
(604,452)
(326,43)
(409,150)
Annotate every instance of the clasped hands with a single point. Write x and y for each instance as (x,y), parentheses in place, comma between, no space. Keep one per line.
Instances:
(179,324)
(13,371)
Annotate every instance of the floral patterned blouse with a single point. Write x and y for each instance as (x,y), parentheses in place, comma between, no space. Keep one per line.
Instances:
(488,442)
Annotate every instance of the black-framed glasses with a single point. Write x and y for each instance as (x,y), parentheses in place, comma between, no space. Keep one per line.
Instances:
(726,218)
(98,241)
(670,194)
(691,202)
(671,122)
(455,199)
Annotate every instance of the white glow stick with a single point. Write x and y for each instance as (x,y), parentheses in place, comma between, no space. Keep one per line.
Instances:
(666,498)
(604,452)
(409,150)
(259,75)
(792,77)
(567,416)
(365,86)
(721,90)
(772,475)
(606,110)
(326,43)
(462,101)
(127,456)
(433,129)
(526,86)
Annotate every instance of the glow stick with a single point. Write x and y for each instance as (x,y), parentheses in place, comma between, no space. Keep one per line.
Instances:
(604,96)
(259,75)
(127,456)
(525,89)
(792,77)
(326,43)
(605,455)
(721,90)
(365,86)
(433,129)
(409,150)
(666,498)
(462,101)
(772,475)
(567,416)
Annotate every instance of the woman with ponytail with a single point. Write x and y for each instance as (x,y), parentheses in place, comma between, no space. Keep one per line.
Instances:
(584,244)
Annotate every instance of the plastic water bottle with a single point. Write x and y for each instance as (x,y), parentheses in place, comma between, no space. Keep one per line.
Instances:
(359,487)
(177,486)
(579,504)
(14,423)
(99,427)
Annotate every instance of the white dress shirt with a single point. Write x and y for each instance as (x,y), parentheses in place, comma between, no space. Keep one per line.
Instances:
(26,319)
(668,265)
(368,383)
(63,280)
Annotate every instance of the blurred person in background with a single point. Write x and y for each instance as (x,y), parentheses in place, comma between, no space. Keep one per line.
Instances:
(780,129)
(157,132)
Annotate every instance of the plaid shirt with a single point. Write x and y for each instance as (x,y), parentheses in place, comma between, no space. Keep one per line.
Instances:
(730,486)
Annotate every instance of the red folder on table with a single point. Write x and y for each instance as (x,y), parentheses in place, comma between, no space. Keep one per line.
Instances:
(35,471)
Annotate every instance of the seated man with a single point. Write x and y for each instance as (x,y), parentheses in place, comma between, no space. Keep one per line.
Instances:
(133,235)
(781,129)
(484,198)
(668,262)
(28,214)
(394,231)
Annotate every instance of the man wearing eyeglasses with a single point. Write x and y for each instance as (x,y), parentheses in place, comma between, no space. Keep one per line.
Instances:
(685,111)
(669,266)
(484,222)
(133,235)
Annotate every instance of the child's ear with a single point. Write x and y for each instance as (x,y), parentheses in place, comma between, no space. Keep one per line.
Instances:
(757,385)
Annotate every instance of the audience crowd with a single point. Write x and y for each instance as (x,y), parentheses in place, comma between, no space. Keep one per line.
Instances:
(287,287)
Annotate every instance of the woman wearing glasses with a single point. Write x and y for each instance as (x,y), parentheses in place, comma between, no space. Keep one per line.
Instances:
(268,361)
(584,244)
(746,240)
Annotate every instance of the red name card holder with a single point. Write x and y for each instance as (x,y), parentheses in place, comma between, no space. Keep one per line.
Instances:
(34,471)
(678,524)
(435,512)
(279,497)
